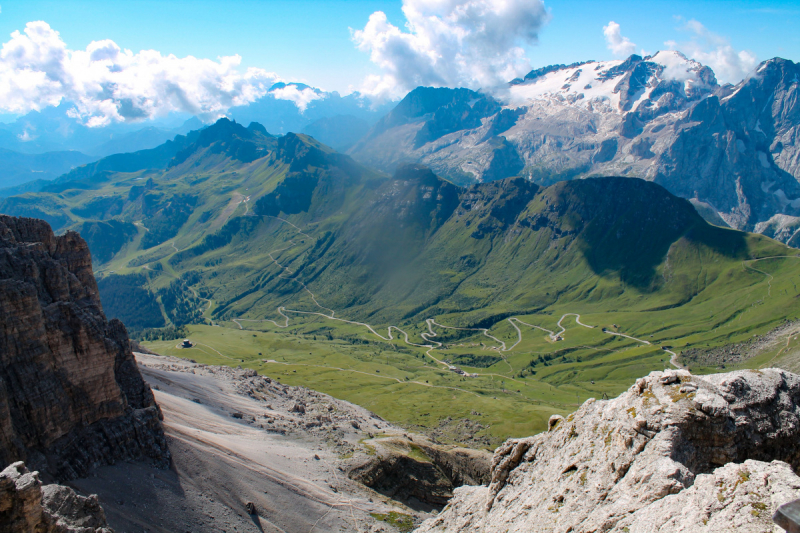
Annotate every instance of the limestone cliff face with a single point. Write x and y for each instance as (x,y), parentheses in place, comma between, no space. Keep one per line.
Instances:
(71,395)
(675,453)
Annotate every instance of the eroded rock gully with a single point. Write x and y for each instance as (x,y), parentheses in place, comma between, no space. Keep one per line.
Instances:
(405,468)
(71,395)
(676,452)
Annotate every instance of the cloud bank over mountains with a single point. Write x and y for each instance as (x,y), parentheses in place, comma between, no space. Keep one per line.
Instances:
(478,44)
(108,84)
(729,65)
(710,49)
(454,43)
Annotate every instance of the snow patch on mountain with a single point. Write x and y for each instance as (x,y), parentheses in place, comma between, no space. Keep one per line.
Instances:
(604,82)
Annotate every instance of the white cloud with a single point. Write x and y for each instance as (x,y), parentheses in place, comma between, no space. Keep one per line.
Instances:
(300,97)
(108,84)
(620,46)
(463,43)
(729,65)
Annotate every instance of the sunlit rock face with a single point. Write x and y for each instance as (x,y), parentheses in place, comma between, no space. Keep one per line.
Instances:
(676,452)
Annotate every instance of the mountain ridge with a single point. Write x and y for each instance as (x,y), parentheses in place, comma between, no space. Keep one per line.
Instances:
(651,117)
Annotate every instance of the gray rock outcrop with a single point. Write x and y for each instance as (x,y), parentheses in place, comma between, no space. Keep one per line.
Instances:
(71,395)
(676,452)
(783,228)
(28,507)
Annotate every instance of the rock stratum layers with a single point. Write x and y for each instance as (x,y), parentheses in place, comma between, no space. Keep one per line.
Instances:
(71,395)
(676,452)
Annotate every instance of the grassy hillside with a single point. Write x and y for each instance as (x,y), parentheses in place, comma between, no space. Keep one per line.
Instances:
(472,312)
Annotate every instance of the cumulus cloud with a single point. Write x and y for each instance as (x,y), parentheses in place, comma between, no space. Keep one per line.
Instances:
(618,44)
(108,84)
(464,43)
(301,96)
(729,65)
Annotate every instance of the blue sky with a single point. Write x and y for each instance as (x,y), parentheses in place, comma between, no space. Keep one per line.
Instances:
(136,60)
(310,40)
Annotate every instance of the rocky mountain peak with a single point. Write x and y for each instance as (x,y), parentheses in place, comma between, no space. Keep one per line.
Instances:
(424,103)
(773,76)
(229,138)
(301,150)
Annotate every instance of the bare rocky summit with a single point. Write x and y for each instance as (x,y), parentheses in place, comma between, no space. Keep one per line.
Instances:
(71,396)
(28,507)
(676,452)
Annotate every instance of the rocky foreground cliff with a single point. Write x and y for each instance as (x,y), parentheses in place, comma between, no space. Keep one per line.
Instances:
(676,452)
(71,396)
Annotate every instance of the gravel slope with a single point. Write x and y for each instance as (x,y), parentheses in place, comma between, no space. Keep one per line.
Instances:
(237,437)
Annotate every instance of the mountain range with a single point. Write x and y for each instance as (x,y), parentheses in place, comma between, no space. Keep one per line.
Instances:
(21,169)
(732,150)
(649,117)
(322,312)
(219,214)
(43,145)
(495,302)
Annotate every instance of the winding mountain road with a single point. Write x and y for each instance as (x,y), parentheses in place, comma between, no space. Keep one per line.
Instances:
(427,336)
(674,359)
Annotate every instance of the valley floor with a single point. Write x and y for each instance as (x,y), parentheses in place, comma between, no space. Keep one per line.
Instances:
(234,443)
